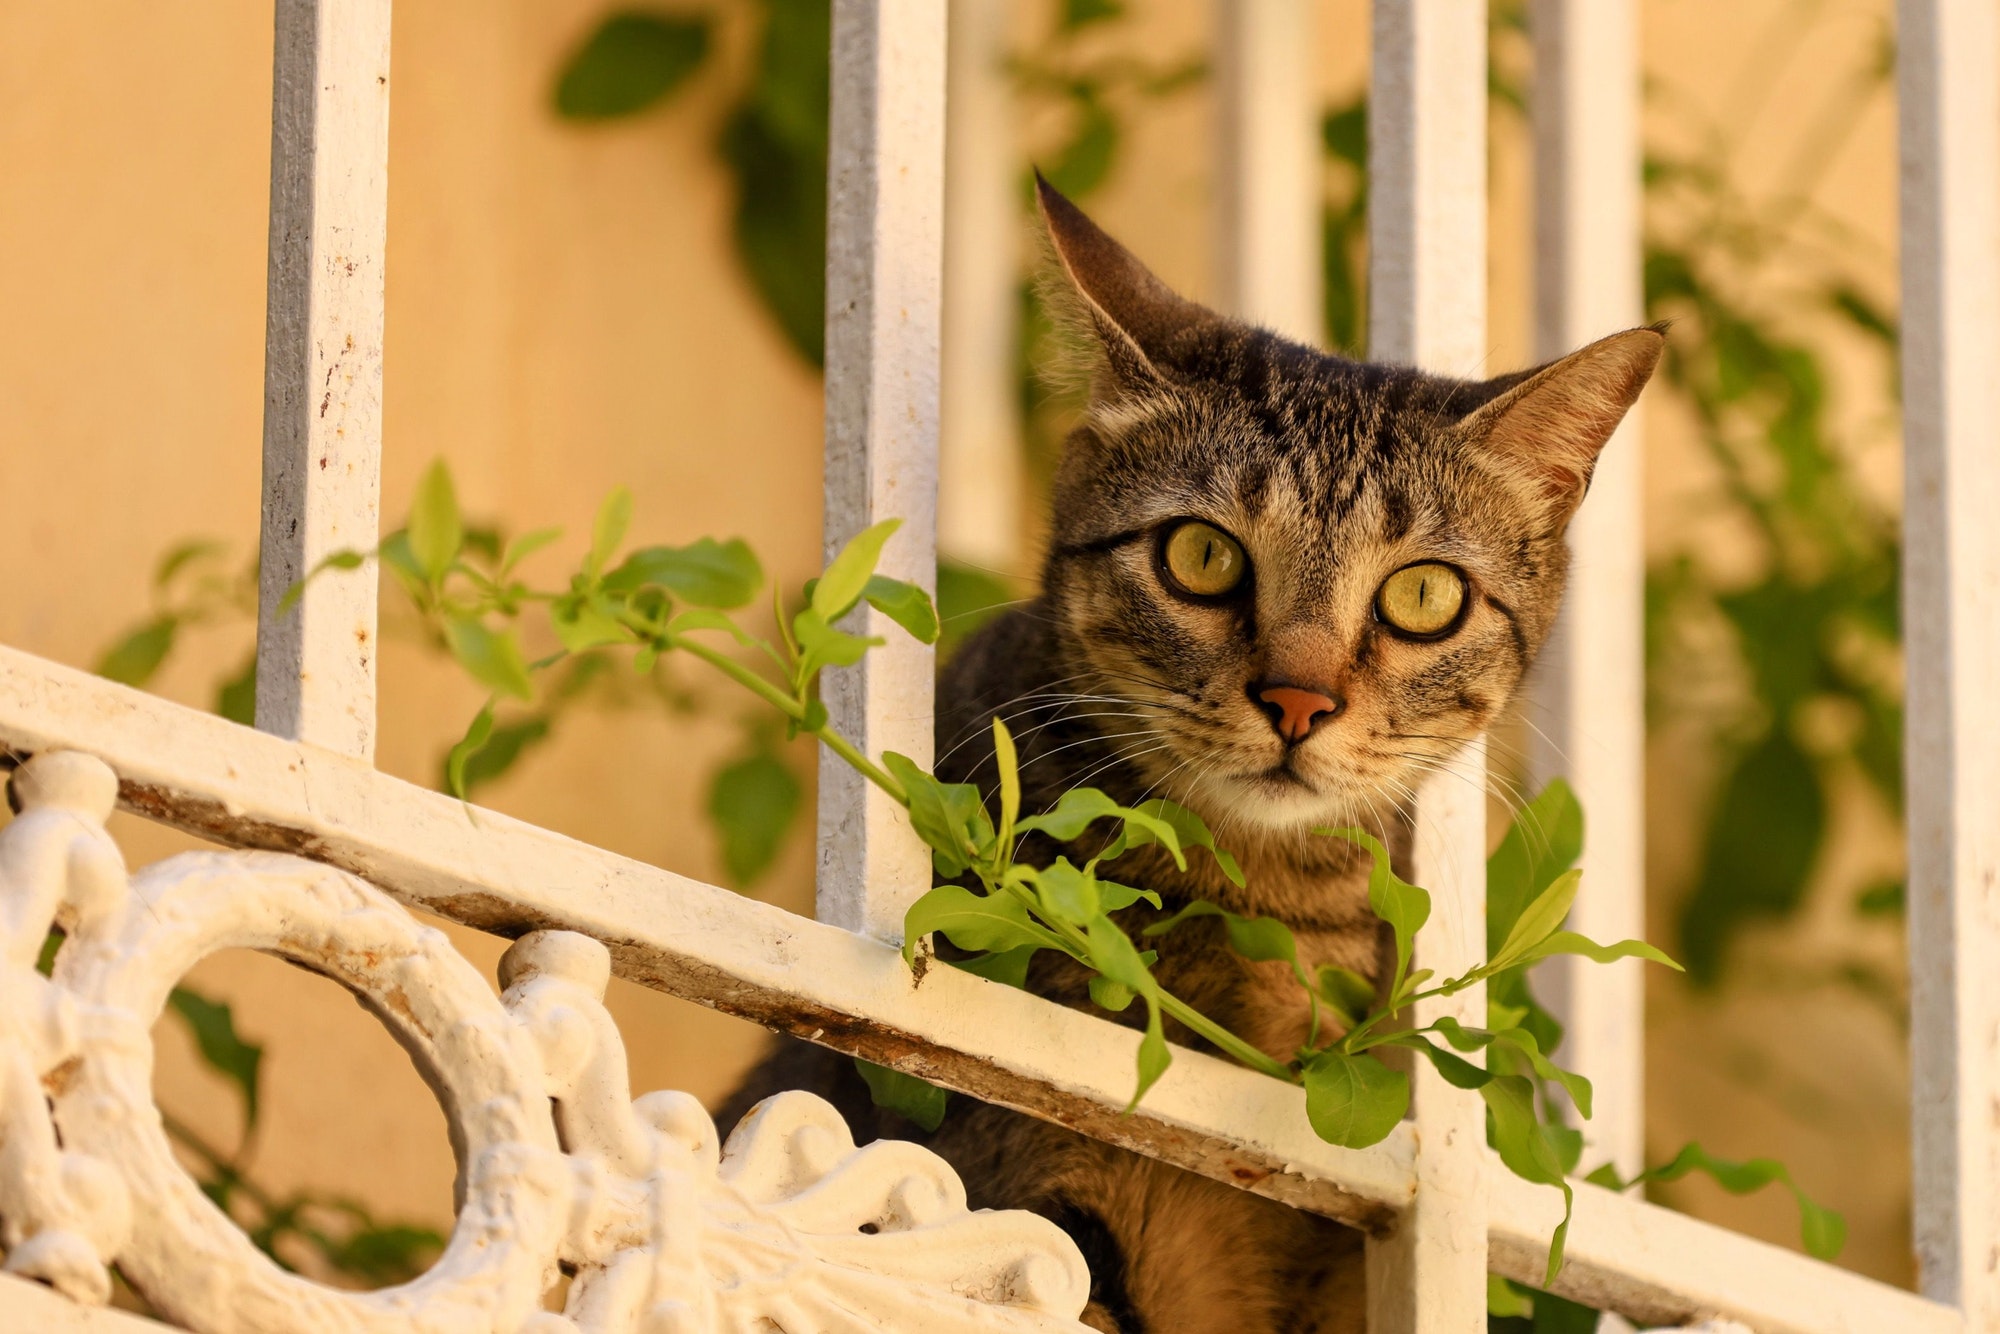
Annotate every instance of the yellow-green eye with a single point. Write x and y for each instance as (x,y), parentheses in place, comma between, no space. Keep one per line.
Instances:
(1422,599)
(1203,560)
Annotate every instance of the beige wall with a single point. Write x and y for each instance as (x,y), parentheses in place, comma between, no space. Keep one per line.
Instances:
(565,314)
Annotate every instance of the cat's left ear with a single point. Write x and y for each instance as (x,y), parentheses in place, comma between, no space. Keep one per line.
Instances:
(1543,434)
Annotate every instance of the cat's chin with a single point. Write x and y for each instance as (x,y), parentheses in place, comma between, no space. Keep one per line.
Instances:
(1275,799)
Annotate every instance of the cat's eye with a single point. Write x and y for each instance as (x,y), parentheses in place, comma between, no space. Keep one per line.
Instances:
(1423,600)
(1202,560)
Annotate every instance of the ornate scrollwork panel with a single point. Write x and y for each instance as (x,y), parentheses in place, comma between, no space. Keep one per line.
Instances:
(789,1226)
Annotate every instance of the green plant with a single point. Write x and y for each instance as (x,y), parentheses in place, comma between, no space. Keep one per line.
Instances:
(656,601)
(193,586)
(773,140)
(1790,673)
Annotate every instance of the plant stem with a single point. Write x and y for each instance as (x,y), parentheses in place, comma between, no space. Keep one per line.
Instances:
(1223,1038)
(868,769)
(796,711)
(1191,1018)
(743,676)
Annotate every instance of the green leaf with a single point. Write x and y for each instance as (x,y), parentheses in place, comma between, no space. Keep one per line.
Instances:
(967,598)
(614,517)
(1080,807)
(1569,942)
(1349,993)
(185,554)
(339,560)
(752,804)
(1527,1150)
(704,573)
(526,545)
(1259,939)
(1009,764)
(1456,1070)
(1402,905)
(1190,831)
(469,745)
(582,624)
(1068,893)
(214,1030)
(949,817)
(1083,162)
(1883,898)
(493,659)
(914,1099)
(1538,921)
(846,578)
(1354,1101)
(1544,840)
(1074,812)
(701,618)
(974,921)
(1005,966)
(236,698)
(385,1255)
(1822,1231)
(134,659)
(1079,13)
(1115,897)
(1763,840)
(1154,1055)
(1113,996)
(1521,1040)
(1560,1315)
(482,540)
(775,147)
(1113,954)
(1504,1302)
(401,561)
(905,604)
(436,532)
(491,761)
(820,645)
(633,60)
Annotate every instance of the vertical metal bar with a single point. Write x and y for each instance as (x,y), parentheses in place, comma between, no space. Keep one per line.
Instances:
(1427,306)
(884,245)
(981,474)
(323,369)
(1949,97)
(1589,698)
(1268,171)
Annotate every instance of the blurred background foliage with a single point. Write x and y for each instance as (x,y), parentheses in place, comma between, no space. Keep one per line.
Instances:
(1781,667)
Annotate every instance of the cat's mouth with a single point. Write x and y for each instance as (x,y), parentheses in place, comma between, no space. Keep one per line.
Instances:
(1281,775)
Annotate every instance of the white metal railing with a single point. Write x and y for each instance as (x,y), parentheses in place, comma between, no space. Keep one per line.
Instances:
(1439,1211)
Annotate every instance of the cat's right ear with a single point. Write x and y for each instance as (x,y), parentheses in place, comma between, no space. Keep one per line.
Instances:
(1544,433)
(1132,318)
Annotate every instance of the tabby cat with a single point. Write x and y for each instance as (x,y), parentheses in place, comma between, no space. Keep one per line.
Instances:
(1283,589)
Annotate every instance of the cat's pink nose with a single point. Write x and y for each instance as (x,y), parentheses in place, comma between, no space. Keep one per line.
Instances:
(1295,710)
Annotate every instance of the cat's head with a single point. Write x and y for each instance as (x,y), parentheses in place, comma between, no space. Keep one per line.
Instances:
(1311,580)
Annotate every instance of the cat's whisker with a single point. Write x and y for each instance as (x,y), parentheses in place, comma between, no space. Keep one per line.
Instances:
(1130,753)
(1496,785)
(1148,733)
(1051,700)
(1079,717)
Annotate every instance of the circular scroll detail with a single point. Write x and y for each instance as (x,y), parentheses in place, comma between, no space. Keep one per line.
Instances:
(191,1261)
